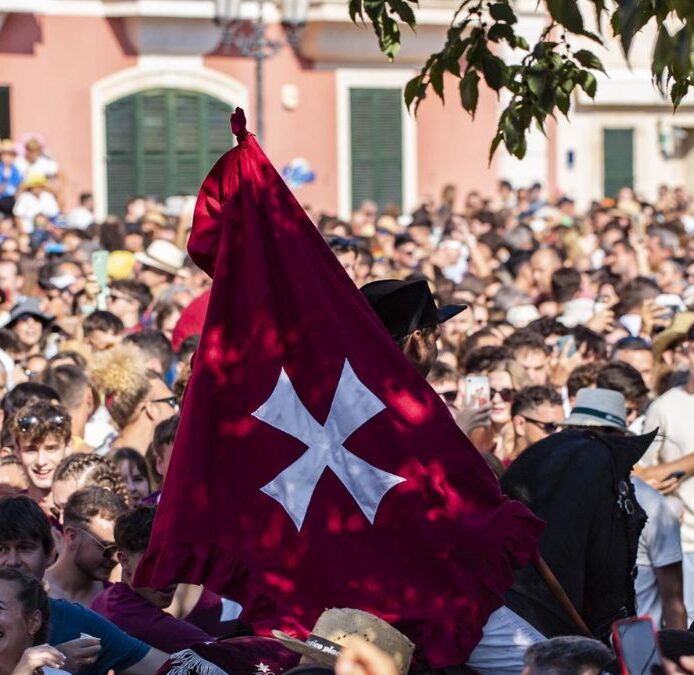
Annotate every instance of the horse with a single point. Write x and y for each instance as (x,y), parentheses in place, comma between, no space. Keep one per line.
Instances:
(578,482)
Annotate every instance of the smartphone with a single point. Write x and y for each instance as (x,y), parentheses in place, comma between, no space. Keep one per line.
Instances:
(561,344)
(100,267)
(476,391)
(676,475)
(636,645)
(100,271)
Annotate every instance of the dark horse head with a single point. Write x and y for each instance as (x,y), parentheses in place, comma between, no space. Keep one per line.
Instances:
(578,481)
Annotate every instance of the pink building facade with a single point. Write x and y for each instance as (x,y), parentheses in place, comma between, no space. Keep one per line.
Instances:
(132,97)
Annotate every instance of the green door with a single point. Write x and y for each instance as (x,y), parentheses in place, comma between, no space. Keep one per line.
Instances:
(376,144)
(162,142)
(618,160)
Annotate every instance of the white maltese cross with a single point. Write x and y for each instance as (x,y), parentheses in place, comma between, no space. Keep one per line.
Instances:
(353,405)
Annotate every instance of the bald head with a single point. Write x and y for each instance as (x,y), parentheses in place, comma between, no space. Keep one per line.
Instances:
(543,263)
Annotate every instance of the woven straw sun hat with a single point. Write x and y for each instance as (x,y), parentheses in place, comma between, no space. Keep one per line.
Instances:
(333,628)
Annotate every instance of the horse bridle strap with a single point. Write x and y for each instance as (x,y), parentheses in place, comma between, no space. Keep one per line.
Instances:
(560,595)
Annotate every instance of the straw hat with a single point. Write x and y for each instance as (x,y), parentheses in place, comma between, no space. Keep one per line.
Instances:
(333,628)
(388,224)
(34,180)
(7,145)
(162,255)
(154,217)
(677,330)
(598,408)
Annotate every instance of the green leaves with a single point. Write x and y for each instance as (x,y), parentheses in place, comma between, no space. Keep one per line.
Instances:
(679,91)
(469,91)
(403,11)
(662,54)
(588,60)
(566,13)
(588,83)
(537,81)
(542,82)
(628,19)
(502,11)
(413,89)
(436,78)
(495,71)
(384,16)
(501,31)
(684,9)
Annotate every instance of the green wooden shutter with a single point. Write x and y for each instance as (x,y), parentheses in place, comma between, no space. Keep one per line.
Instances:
(5,122)
(187,164)
(153,148)
(376,144)
(618,160)
(218,129)
(120,155)
(162,142)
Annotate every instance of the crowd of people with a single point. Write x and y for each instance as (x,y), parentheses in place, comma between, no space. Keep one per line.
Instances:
(574,319)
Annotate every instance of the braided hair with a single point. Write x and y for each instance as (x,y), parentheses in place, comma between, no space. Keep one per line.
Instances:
(31,596)
(89,469)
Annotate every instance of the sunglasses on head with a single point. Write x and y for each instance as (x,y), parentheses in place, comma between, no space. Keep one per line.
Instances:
(547,427)
(28,422)
(342,244)
(505,393)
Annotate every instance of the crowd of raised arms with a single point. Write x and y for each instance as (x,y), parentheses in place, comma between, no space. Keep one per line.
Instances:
(574,316)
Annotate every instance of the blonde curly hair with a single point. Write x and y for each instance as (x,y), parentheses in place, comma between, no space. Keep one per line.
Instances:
(121,376)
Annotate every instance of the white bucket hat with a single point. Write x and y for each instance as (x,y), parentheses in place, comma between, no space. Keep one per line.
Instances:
(598,408)
(162,255)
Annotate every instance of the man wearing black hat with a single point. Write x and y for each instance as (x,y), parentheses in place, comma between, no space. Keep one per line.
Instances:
(409,313)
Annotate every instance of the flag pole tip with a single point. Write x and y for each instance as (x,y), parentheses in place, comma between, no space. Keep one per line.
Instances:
(238,124)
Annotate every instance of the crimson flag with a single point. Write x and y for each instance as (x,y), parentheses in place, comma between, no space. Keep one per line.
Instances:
(313,466)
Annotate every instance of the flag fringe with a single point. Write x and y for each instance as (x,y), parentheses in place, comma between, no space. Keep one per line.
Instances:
(187,660)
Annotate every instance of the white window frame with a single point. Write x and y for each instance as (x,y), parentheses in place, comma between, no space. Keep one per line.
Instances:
(364,78)
(186,73)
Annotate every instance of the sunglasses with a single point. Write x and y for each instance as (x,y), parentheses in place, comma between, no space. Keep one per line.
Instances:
(449,396)
(169,400)
(28,422)
(107,550)
(505,393)
(114,297)
(342,244)
(547,427)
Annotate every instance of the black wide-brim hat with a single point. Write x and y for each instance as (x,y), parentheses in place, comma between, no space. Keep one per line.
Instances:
(406,306)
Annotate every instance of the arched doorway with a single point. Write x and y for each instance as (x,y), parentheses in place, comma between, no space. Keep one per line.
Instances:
(162,142)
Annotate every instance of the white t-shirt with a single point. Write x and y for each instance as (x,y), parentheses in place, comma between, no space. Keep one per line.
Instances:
(28,206)
(100,431)
(673,414)
(659,546)
(44,166)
